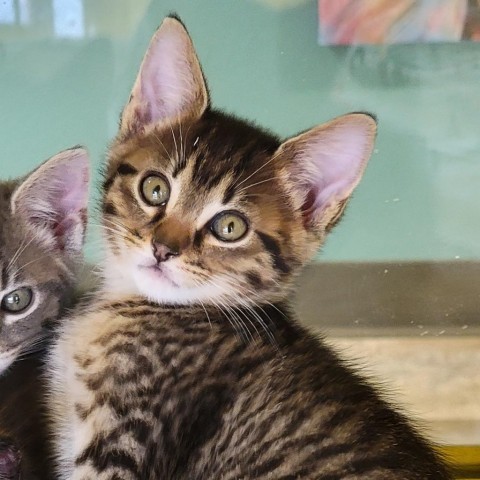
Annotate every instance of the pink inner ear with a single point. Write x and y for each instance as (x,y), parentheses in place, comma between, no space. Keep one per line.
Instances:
(68,202)
(308,207)
(65,229)
(330,162)
(70,190)
(53,199)
(68,199)
(170,82)
(165,79)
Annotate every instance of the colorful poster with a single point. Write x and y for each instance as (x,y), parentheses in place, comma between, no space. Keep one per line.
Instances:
(357,22)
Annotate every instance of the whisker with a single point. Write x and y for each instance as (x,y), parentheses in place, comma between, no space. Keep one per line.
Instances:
(18,270)
(174,141)
(169,156)
(232,310)
(238,328)
(20,251)
(118,224)
(243,301)
(16,254)
(258,169)
(235,281)
(203,306)
(182,152)
(254,184)
(117,234)
(35,346)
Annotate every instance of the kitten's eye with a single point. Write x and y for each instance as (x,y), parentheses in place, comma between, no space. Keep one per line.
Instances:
(17,301)
(155,190)
(229,226)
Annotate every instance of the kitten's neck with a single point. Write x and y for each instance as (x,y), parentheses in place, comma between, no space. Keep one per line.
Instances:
(251,322)
(106,295)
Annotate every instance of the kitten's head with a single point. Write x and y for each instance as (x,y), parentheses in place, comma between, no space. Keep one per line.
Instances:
(42,227)
(202,207)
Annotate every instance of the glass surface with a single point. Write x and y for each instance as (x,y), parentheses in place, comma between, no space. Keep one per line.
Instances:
(66,69)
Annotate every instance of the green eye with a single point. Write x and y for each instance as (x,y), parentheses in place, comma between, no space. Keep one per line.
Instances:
(155,190)
(229,226)
(17,301)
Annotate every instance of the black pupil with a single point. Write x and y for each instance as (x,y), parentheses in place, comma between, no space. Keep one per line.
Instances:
(231,227)
(156,191)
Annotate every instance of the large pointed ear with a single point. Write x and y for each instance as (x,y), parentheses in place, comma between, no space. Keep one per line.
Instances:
(52,201)
(325,164)
(170,82)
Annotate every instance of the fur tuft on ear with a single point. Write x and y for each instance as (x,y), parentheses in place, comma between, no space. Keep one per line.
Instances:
(52,201)
(170,82)
(326,163)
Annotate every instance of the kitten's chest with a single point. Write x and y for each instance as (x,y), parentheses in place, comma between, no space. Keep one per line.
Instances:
(125,354)
(108,364)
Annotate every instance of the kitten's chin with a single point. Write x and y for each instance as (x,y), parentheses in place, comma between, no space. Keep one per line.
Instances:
(163,285)
(137,277)
(159,275)
(156,284)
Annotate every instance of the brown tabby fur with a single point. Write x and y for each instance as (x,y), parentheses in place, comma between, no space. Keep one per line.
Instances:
(227,387)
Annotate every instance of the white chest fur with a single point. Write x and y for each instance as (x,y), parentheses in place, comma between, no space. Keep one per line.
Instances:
(67,366)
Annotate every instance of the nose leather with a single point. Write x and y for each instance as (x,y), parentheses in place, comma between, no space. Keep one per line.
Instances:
(170,239)
(162,252)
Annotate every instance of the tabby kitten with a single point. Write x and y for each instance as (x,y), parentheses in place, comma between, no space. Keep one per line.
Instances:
(188,364)
(42,226)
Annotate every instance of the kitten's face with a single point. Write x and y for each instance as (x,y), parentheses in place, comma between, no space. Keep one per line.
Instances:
(32,284)
(38,262)
(224,222)
(200,207)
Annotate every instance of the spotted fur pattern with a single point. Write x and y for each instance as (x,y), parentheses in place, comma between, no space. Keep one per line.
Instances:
(193,367)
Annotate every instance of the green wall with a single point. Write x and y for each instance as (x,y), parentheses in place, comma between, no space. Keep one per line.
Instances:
(421,194)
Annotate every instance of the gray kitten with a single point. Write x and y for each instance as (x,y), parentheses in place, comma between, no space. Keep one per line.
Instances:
(42,228)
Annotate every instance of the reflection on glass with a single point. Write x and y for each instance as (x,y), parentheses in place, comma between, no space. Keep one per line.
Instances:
(24,12)
(68,18)
(7,12)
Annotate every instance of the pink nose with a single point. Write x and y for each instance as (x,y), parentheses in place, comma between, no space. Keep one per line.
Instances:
(162,252)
